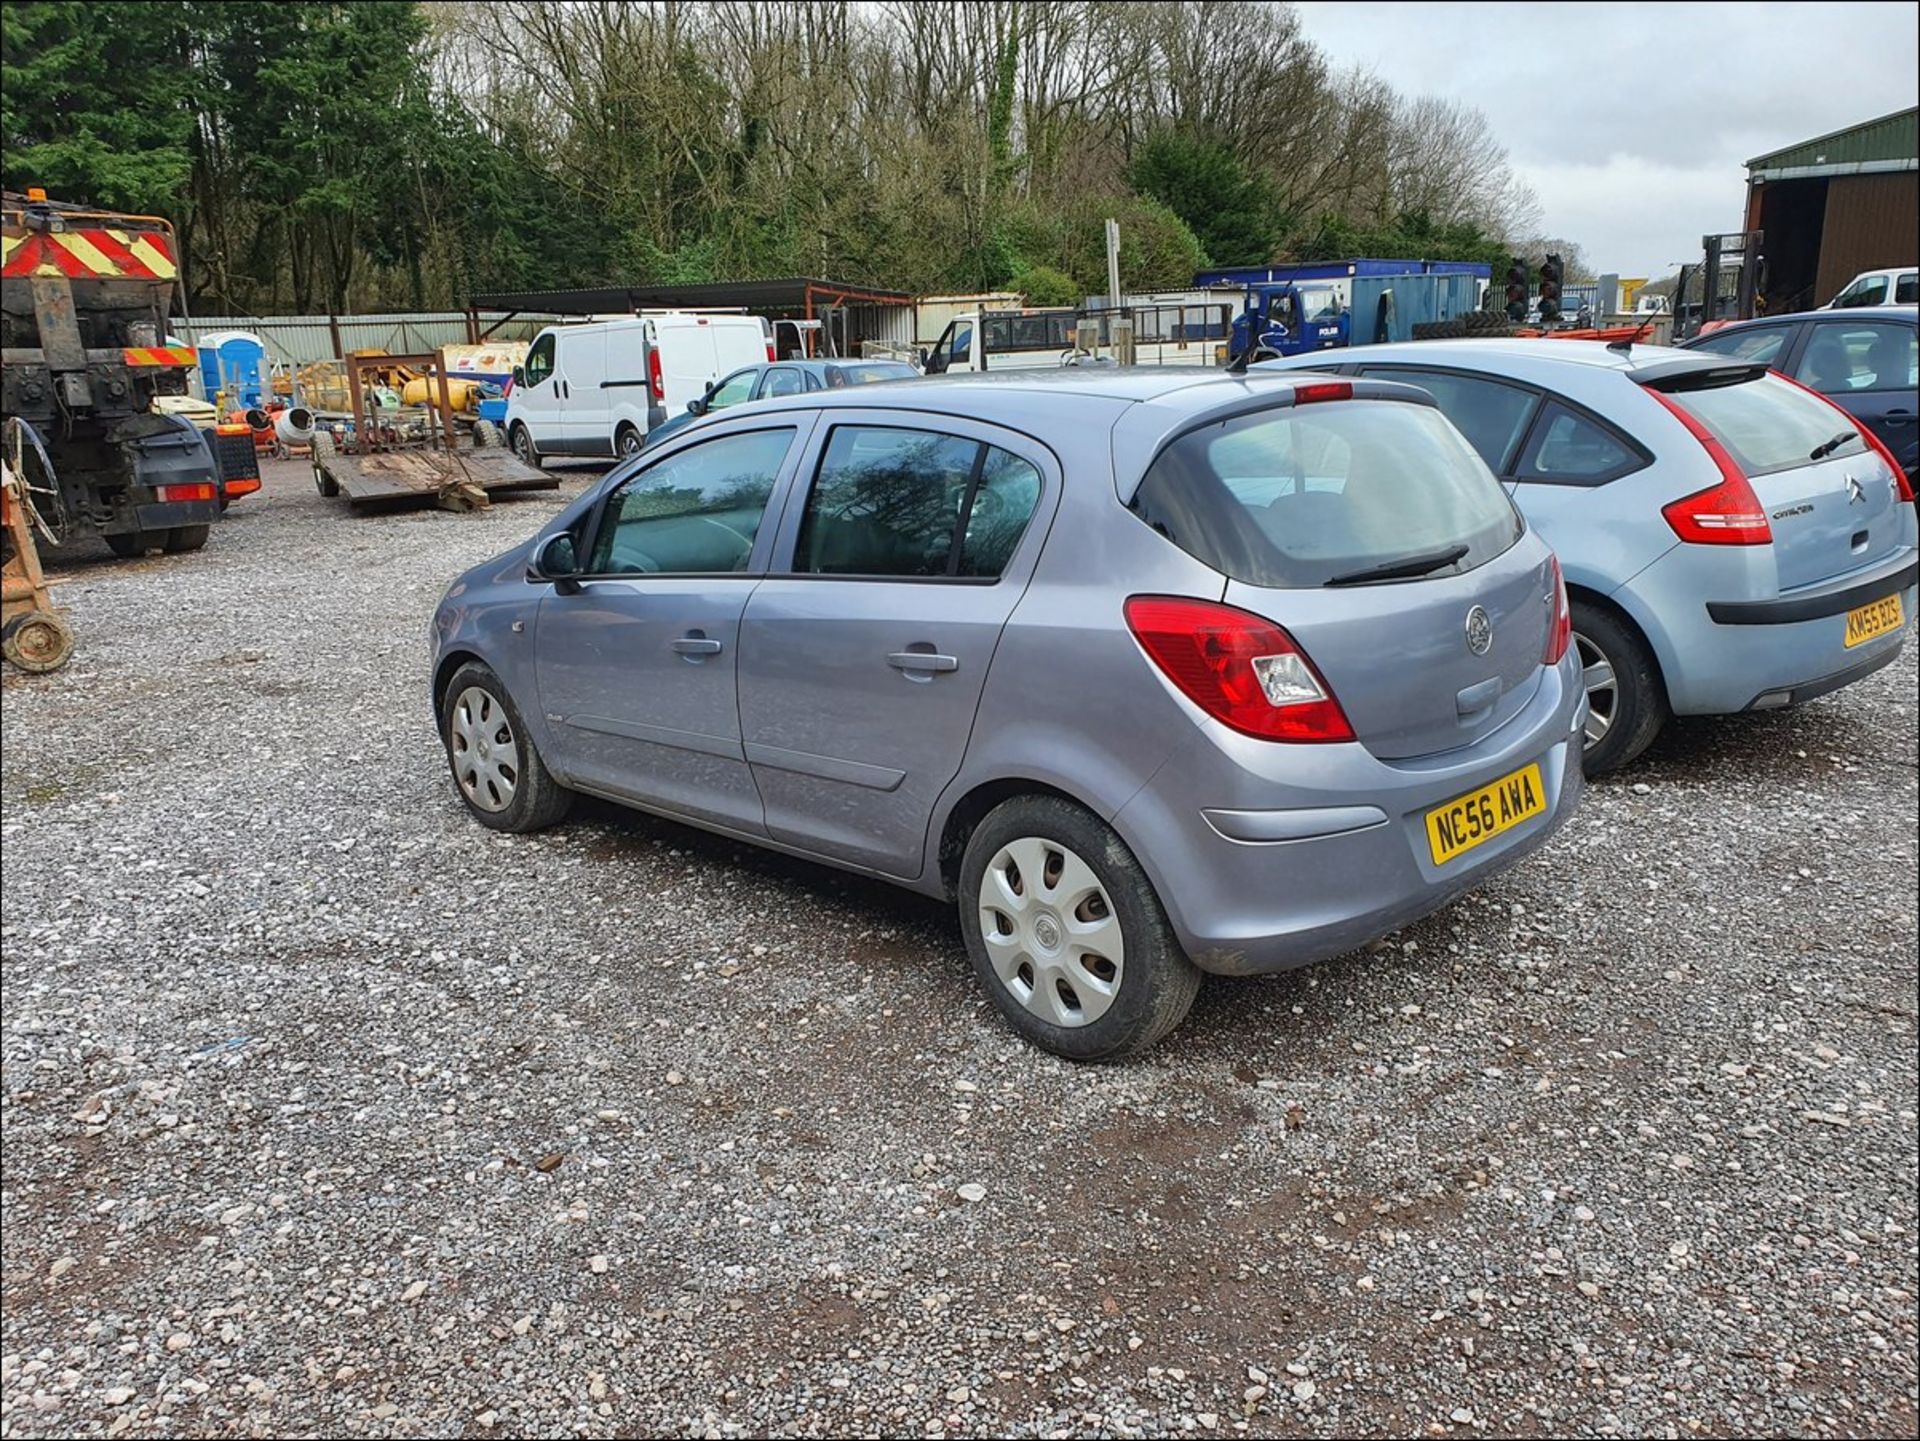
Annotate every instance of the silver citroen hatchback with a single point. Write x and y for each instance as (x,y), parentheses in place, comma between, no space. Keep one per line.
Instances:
(1152,673)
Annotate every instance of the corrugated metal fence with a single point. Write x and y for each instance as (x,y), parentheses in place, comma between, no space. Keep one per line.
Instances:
(302,339)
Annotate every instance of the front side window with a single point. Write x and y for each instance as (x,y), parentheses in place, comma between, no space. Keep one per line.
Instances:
(1298,496)
(1760,344)
(962,343)
(731,391)
(1867,290)
(1872,355)
(539,360)
(1492,416)
(893,502)
(694,513)
(1568,448)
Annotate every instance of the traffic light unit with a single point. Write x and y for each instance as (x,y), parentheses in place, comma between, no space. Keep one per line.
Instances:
(1551,274)
(1518,277)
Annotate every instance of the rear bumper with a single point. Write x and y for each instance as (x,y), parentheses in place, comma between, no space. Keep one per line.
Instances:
(165,515)
(1816,604)
(1268,857)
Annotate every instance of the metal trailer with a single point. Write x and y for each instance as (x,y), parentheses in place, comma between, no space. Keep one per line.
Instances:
(84,301)
(383,457)
(33,633)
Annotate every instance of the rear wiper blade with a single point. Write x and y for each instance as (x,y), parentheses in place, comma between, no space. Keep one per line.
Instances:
(1828,447)
(1406,569)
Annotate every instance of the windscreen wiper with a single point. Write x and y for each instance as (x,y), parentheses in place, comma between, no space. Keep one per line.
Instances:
(1828,447)
(1406,569)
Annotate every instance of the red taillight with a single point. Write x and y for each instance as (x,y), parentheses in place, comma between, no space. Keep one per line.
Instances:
(1241,669)
(244,485)
(202,491)
(1726,514)
(1560,633)
(1901,486)
(656,381)
(770,355)
(1323,390)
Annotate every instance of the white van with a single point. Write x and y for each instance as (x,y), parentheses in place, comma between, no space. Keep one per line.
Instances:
(598,388)
(1898,286)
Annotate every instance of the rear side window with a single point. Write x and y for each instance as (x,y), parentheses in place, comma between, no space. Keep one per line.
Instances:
(1568,448)
(840,376)
(1906,290)
(1296,496)
(1492,416)
(1767,424)
(694,513)
(1873,355)
(914,504)
(1761,344)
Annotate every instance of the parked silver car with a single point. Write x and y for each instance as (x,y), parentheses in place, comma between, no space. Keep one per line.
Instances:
(1153,672)
(1732,540)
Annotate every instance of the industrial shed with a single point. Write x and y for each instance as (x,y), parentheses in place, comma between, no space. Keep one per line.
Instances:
(1836,205)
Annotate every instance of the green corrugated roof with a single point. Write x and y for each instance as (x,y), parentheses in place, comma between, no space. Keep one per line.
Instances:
(1891,138)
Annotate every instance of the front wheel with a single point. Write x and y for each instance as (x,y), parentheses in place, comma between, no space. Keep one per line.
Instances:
(1067,935)
(628,442)
(496,767)
(1626,703)
(523,448)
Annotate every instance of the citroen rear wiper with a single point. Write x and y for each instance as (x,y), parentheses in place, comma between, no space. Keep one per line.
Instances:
(1402,569)
(1828,447)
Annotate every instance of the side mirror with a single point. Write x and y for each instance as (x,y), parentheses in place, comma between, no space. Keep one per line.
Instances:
(556,561)
(925,358)
(519,375)
(697,406)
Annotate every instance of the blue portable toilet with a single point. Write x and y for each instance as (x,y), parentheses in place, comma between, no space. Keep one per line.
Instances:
(236,362)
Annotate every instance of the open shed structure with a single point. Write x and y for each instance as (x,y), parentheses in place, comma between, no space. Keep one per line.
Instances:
(1834,206)
(851,315)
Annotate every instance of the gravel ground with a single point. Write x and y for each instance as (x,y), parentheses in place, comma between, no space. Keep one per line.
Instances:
(328,1111)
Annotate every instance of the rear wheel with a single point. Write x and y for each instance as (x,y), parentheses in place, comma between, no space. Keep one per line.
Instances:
(1626,703)
(1066,933)
(495,766)
(184,538)
(485,434)
(131,545)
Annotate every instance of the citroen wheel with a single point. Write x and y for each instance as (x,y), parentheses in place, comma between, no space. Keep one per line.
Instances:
(496,767)
(1626,703)
(1066,933)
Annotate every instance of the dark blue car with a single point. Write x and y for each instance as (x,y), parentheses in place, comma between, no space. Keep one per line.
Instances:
(786,377)
(1865,360)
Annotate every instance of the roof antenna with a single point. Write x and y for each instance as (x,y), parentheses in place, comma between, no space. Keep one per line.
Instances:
(1624,345)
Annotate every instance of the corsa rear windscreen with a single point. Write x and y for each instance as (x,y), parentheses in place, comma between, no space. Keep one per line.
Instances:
(1295,496)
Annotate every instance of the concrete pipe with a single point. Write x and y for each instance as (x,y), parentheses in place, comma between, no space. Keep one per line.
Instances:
(295,425)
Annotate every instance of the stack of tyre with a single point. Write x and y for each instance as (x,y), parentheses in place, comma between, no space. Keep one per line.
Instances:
(1474,322)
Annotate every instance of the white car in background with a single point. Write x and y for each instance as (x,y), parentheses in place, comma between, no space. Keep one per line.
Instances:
(596,389)
(1899,286)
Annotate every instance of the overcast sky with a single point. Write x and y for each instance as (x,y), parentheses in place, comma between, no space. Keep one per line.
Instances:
(1632,122)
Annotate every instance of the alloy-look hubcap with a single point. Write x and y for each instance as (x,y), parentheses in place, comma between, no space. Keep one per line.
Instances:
(485,759)
(1051,932)
(1603,689)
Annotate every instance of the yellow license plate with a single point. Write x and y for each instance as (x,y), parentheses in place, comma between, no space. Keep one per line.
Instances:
(1875,618)
(1465,821)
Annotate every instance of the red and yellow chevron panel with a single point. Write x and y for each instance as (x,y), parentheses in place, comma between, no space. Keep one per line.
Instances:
(159,355)
(94,253)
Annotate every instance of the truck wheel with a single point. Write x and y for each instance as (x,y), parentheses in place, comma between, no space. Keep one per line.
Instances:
(184,538)
(131,545)
(485,434)
(38,642)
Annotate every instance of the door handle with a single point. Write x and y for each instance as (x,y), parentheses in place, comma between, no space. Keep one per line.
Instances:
(566,393)
(922,660)
(1899,417)
(696,645)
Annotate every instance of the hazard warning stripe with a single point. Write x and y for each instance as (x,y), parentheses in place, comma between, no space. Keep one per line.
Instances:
(159,355)
(80,254)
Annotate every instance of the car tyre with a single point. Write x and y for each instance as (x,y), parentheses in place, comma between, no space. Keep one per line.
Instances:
(495,765)
(628,442)
(1627,704)
(523,448)
(1129,986)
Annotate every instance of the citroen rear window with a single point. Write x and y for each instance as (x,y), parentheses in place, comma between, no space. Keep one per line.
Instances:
(1298,495)
(1769,424)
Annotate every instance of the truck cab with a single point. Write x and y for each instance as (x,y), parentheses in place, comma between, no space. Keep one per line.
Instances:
(1288,318)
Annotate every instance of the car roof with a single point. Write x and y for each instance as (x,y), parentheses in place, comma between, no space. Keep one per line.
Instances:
(1478,353)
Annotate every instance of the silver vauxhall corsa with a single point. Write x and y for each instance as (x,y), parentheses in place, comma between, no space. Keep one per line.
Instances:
(1154,673)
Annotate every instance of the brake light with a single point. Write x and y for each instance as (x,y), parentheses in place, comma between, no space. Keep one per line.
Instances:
(770,355)
(1901,485)
(1725,514)
(1323,390)
(1560,633)
(202,491)
(1241,669)
(656,381)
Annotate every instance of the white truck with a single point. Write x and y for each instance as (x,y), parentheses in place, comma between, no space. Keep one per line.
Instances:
(596,389)
(1177,334)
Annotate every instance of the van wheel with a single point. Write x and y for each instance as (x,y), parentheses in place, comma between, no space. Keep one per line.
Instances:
(627,441)
(523,447)
(1626,703)
(1066,933)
